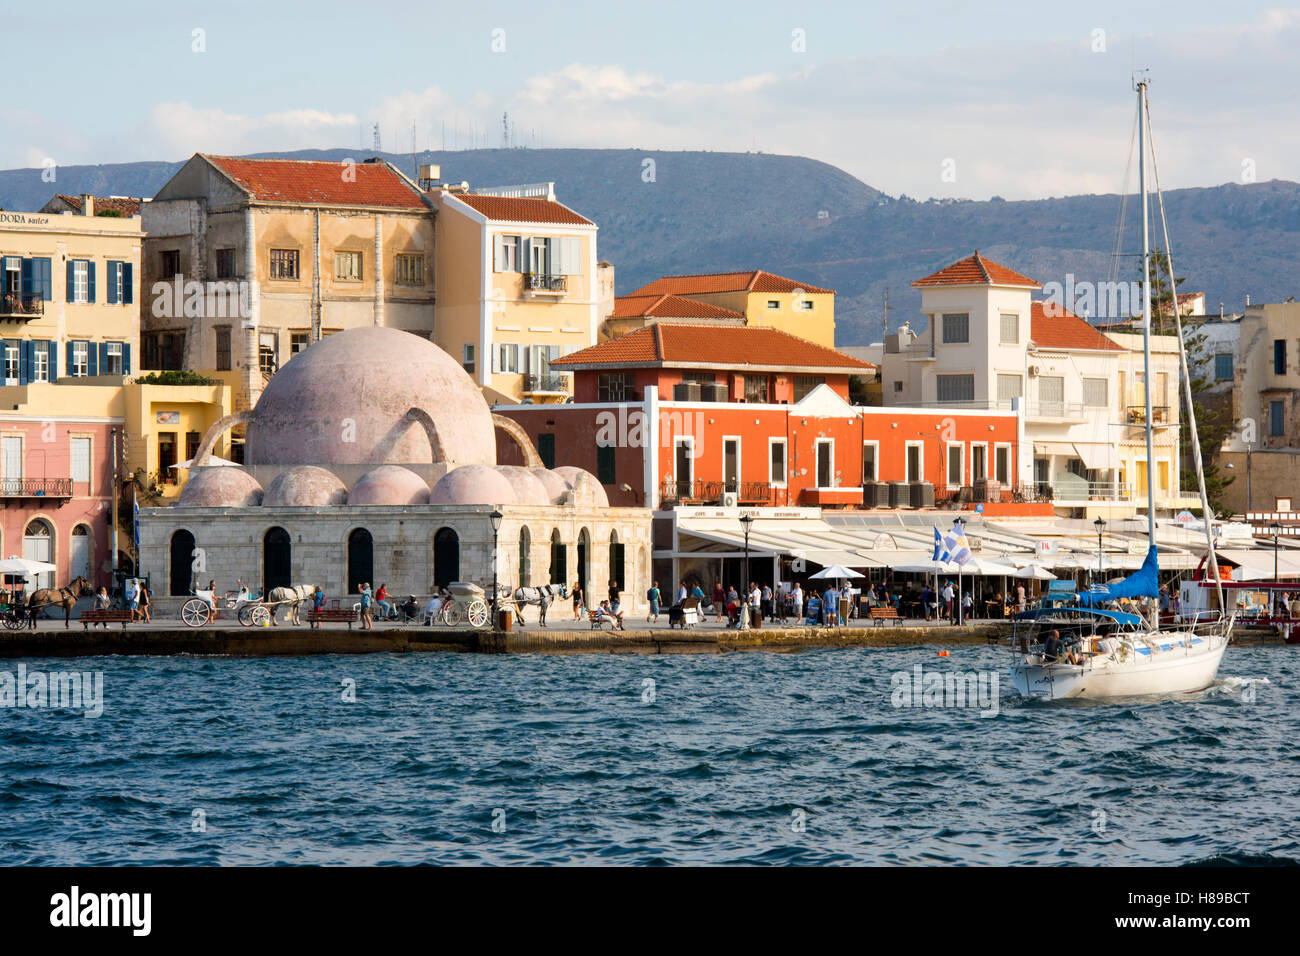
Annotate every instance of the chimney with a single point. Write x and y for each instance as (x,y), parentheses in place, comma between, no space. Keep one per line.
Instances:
(87,204)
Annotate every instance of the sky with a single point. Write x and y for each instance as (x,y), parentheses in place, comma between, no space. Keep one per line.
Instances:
(928,98)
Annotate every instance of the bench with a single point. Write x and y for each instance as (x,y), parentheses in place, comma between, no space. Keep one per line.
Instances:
(332,615)
(597,622)
(113,615)
(879,614)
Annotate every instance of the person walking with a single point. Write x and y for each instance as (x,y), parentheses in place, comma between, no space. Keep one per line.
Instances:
(142,597)
(796,598)
(577,602)
(1020,597)
(719,600)
(967,602)
(366,599)
(317,605)
(653,597)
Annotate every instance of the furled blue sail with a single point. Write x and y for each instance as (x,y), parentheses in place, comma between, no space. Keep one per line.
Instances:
(1144,582)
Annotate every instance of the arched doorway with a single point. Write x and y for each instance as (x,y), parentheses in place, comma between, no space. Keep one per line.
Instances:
(38,545)
(181,576)
(277,564)
(361,560)
(525,559)
(79,550)
(446,557)
(584,552)
(559,559)
(617,573)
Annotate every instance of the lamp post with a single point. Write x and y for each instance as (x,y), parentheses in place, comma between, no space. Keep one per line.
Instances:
(1100,526)
(957,531)
(1276,528)
(745,522)
(495,517)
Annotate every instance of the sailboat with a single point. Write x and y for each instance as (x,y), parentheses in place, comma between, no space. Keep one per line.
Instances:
(1086,650)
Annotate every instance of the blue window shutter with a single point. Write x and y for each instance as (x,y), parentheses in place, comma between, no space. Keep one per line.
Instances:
(90,280)
(54,360)
(128,281)
(26,268)
(68,351)
(44,277)
(110,294)
(24,361)
(126,358)
(92,359)
(103,358)
(72,282)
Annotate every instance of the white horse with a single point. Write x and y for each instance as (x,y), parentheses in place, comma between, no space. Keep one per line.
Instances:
(541,598)
(292,597)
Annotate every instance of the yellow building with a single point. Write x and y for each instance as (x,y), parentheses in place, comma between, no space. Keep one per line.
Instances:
(68,294)
(519,285)
(762,298)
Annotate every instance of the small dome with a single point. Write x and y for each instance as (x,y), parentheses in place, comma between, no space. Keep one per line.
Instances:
(221,487)
(473,485)
(529,489)
(305,486)
(587,491)
(390,485)
(556,486)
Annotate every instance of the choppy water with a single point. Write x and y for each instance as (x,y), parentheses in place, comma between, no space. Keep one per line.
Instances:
(737,758)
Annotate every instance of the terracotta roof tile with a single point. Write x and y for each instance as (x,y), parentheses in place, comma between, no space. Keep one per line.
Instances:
(514,209)
(1065,330)
(755,280)
(127,205)
(727,346)
(976,270)
(669,307)
(311,182)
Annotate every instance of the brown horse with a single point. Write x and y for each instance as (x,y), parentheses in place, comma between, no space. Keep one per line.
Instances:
(66,596)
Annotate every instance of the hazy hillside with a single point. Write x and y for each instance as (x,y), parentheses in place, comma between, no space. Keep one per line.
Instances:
(720,211)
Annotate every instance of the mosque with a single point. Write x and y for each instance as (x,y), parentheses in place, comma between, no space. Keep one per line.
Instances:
(372,457)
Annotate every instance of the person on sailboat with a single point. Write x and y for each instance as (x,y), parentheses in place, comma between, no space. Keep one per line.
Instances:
(1052,646)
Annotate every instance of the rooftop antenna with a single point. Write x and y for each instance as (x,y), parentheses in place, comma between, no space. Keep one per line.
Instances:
(505,130)
(377,144)
(886,311)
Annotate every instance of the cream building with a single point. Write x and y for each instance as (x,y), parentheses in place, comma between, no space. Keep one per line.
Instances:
(519,285)
(69,294)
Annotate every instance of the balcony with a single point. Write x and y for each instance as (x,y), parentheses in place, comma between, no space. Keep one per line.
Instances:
(1137,414)
(699,492)
(35,487)
(546,383)
(1057,411)
(1071,488)
(546,284)
(21,305)
(831,497)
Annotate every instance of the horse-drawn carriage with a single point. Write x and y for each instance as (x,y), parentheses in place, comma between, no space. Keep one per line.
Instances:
(467,602)
(250,609)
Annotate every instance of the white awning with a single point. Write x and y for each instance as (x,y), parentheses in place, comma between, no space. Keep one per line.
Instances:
(1044,448)
(810,538)
(1257,564)
(1098,455)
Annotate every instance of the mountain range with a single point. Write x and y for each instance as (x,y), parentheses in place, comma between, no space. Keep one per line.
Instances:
(679,212)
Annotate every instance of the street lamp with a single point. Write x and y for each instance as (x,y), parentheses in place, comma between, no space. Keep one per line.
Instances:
(957,531)
(495,517)
(1276,528)
(1100,526)
(745,522)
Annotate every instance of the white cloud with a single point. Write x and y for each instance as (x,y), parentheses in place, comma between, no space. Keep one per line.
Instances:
(179,129)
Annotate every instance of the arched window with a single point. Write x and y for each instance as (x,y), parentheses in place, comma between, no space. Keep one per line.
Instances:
(617,574)
(277,564)
(559,559)
(361,560)
(181,578)
(79,552)
(38,545)
(446,557)
(584,553)
(525,559)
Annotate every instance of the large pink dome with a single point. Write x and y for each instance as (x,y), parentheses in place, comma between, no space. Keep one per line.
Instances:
(221,487)
(390,485)
(344,401)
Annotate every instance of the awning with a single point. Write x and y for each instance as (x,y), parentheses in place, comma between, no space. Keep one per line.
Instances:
(1098,455)
(809,538)
(1257,564)
(1043,448)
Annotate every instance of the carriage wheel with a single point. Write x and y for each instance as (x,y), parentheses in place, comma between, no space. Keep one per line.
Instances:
(453,615)
(196,612)
(478,614)
(245,615)
(260,615)
(13,619)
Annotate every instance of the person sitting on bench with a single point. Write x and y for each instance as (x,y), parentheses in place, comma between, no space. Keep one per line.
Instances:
(607,613)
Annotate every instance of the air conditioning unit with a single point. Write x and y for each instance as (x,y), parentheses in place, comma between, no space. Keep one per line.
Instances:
(1033,370)
(730,499)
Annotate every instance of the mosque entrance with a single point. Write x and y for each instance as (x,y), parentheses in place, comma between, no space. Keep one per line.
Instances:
(276,564)
(182,563)
(361,560)
(446,557)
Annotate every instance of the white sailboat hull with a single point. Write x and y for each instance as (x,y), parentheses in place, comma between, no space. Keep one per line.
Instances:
(1190,664)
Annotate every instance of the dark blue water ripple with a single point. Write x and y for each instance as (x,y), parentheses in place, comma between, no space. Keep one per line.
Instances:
(741,758)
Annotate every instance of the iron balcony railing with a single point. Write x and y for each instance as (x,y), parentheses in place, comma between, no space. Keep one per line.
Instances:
(539,282)
(35,487)
(21,304)
(546,382)
(698,491)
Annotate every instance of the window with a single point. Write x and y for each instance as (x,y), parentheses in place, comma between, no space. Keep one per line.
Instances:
(704,378)
(267,353)
(546,448)
(955,388)
(13,456)
(167,457)
(79,451)
(611,386)
(1009,387)
(684,465)
(169,263)
(756,388)
(773,303)
(731,464)
(115,272)
(41,363)
(1095,393)
(284,263)
(825,463)
(776,462)
(1051,394)
(915,461)
(347,266)
(805,305)
(298,342)
(410,270)
(11,364)
(539,256)
(870,471)
(803,384)
(979,462)
(1223,367)
(605,473)
(1002,464)
(898,386)
(225,263)
(956,465)
(1010,329)
(467,357)
(956,328)
(112,359)
(505,253)
(192,440)
(223,350)
(80,359)
(1276,418)
(1279,356)
(507,358)
(80,280)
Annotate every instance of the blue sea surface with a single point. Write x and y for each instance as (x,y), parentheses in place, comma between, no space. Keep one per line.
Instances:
(739,758)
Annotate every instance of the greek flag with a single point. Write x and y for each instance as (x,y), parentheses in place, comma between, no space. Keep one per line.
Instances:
(1099,589)
(938,545)
(952,547)
(135,521)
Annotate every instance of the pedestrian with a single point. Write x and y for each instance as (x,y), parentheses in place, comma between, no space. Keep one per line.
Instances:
(653,597)
(143,596)
(366,599)
(796,597)
(719,599)
(766,604)
(577,602)
(967,602)
(133,598)
(755,605)
(831,606)
(682,593)
(1020,597)
(317,606)
(949,610)
(386,609)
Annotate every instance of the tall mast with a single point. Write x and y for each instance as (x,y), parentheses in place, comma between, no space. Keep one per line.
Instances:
(1146,312)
